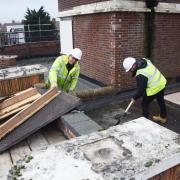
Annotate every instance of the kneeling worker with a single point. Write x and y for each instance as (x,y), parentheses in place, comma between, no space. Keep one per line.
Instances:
(65,71)
(150,85)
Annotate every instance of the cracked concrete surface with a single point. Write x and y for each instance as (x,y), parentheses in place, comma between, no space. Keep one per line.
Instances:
(138,149)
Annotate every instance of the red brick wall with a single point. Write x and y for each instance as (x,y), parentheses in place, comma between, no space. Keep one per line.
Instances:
(93,35)
(32,49)
(167,44)
(131,44)
(106,39)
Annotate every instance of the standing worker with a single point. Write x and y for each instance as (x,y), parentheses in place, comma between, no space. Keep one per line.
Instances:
(151,85)
(65,71)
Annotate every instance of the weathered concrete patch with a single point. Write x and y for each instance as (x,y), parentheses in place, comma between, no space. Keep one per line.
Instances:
(21,71)
(174,98)
(137,149)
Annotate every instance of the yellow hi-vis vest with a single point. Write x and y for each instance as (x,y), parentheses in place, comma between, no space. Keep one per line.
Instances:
(58,74)
(156,81)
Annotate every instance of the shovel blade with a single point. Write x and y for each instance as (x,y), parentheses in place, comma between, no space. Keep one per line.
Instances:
(120,117)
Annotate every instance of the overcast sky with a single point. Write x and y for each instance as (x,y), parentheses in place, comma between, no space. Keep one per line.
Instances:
(16,9)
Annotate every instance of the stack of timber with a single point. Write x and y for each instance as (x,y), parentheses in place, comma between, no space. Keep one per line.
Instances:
(16,79)
(18,102)
(27,103)
(51,111)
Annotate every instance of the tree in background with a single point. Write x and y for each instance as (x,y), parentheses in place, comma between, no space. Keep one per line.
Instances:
(39,26)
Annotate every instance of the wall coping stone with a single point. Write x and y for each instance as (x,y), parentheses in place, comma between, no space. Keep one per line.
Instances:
(118,6)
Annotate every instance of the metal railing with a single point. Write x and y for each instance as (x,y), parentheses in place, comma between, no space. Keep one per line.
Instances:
(30,33)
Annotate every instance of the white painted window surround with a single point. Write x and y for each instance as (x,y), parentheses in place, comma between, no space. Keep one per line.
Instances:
(66,38)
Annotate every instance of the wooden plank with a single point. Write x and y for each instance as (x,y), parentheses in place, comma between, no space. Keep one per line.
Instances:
(3,98)
(19,151)
(6,164)
(62,104)
(53,135)
(23,115)
(37,141)
(14,111)
(18,97)
(19,104)
(23,91)
(177,172)
(170,174)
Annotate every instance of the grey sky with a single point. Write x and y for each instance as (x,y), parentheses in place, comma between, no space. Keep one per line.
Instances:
(16,9)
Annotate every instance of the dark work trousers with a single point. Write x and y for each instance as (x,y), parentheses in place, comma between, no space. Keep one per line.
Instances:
(160,100)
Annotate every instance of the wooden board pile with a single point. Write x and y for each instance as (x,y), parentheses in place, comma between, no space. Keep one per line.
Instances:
(22,106)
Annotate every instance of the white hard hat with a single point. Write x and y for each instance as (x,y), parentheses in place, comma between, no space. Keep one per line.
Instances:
(128,63)
(76,53)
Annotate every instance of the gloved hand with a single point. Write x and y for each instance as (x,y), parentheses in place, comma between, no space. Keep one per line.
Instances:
(53,85)
(72,93)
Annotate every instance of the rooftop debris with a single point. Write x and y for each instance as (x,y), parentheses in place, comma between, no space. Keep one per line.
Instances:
(26,113)
(18,102)
(12,132)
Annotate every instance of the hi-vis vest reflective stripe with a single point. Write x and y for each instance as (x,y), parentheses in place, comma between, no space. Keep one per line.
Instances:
(59,74)
(156,81)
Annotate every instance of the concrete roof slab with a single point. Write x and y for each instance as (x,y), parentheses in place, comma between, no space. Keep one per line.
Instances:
(138,149)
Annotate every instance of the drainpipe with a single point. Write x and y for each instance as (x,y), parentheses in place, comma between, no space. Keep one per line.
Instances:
(151,4)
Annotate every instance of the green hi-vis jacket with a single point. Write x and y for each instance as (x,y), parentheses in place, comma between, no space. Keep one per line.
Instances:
(156,81)
(59,75)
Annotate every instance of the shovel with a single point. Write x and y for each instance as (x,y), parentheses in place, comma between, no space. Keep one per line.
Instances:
(121,116)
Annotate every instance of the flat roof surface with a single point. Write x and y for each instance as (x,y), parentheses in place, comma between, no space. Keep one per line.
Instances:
(137,149)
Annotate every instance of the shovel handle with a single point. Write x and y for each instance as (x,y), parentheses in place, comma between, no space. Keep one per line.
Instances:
(130,104)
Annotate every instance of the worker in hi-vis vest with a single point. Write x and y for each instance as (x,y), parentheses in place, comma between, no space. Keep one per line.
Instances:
(65,71)
(151,85)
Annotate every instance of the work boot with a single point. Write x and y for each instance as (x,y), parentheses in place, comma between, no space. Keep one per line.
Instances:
(159,119)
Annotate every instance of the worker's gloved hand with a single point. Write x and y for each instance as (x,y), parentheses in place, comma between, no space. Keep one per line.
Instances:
(133,100)
(72,93)
(40,85)
(53,85)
